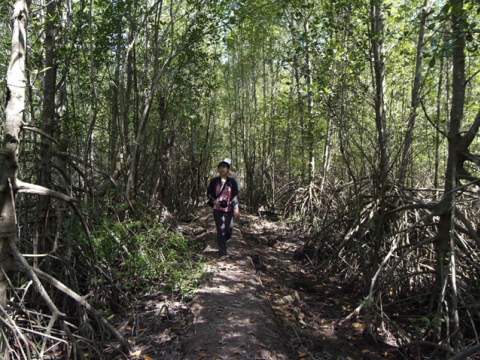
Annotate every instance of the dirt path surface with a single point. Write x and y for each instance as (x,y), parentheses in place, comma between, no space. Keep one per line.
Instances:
(258,304)
(232,317)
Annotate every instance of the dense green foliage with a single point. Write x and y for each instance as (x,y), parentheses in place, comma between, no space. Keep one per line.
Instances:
(144,255)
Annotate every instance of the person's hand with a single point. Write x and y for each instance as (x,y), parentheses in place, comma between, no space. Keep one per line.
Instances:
(236,212)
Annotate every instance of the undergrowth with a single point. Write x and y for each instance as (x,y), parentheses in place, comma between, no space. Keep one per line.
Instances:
(104,271)
(145,255)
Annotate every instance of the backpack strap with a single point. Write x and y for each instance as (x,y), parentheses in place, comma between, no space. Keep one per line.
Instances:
(223,188)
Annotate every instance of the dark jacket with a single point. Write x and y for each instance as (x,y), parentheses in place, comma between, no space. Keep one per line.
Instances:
(231,182)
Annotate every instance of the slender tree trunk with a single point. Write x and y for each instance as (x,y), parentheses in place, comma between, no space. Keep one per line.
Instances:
(456,119)
(444,243)
(407,145)
(114,124)
(48,121)
(298,86)
(437,132)
(310,120)
(327,155)
(88,155)
(15,105)
(48,90)
(381,175)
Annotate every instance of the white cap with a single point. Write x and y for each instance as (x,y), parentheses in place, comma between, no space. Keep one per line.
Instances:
(226,161)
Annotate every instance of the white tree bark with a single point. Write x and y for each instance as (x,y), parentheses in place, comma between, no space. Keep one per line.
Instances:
(15,105)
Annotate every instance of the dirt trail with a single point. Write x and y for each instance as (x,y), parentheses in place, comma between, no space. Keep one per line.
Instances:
(259,304)
(232,317)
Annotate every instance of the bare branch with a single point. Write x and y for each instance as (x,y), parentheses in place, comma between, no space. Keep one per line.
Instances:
(40,190)
(28,269)
(41,132)
(83,302)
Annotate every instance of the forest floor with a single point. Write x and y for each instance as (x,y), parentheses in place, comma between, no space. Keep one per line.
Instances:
(258,303)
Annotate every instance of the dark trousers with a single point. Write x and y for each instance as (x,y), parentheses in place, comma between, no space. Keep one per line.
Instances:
(224,224)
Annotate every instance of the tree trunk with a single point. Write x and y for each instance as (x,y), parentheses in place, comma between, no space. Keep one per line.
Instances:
(15,105)
(437,121)
(407,145)
(444,243)
(48,91)
(48,123)
(327,152)
(310,121)
(381,174)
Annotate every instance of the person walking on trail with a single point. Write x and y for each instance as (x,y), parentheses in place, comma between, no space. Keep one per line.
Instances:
(222,193)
